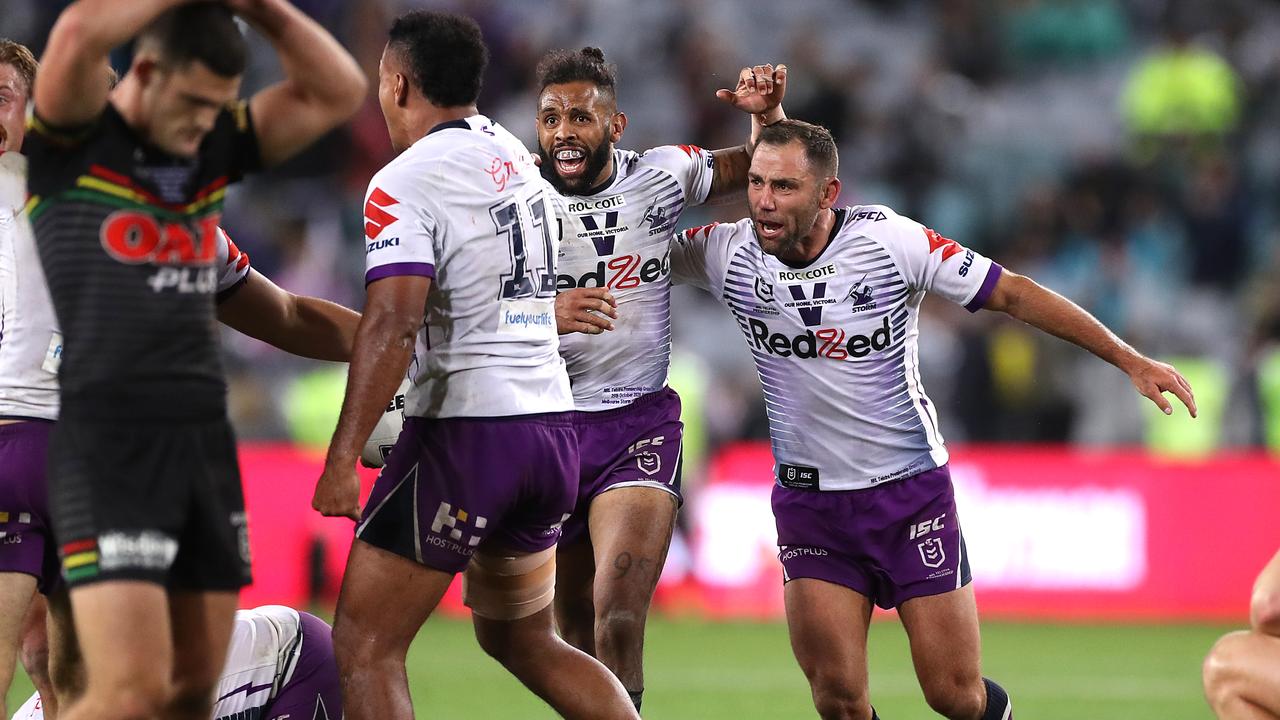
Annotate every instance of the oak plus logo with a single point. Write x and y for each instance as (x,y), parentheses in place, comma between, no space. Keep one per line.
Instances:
(185,253)
(376,216)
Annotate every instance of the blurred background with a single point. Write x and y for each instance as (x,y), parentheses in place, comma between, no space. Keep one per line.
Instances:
(1125,153)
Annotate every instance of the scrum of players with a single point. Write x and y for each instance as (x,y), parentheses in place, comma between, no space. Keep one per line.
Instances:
(524,299)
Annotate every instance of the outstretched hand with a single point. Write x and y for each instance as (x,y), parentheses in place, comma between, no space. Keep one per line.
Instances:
(1153,378)
(760,89)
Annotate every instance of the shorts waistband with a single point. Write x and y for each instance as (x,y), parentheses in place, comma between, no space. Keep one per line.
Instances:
(564,418)
(666,394)
(24,426)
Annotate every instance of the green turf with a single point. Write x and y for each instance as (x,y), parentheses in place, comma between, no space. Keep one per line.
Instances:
(737,671)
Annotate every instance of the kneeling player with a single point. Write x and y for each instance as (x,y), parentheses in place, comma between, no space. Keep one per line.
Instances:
(279,665)
(828,301)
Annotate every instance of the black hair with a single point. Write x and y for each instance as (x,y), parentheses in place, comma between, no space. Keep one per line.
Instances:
(587,64)
(445,55)
(204,32)
(819,146)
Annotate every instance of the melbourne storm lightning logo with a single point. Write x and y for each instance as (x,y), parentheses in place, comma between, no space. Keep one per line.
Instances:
(860,296)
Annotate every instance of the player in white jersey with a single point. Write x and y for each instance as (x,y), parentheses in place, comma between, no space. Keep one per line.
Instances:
(828,299)
(485,470)
(279,666)
(620,213)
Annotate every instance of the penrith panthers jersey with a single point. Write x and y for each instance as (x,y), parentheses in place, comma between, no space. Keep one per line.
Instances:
(835,341)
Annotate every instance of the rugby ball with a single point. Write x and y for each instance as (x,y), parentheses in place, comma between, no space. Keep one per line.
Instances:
(385,433)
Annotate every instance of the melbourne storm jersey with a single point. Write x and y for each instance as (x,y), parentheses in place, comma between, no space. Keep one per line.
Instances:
(835,341)
(127,238)
(30,344)
(620,238)
(265,645)
(466,205)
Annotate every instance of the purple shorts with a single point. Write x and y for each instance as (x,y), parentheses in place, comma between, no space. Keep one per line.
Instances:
(313,690)
(637,445)
(26,531)
(892,543)
(451,484)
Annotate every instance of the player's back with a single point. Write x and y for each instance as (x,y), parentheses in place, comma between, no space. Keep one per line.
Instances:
(466,206)
(30,345)
(262,653)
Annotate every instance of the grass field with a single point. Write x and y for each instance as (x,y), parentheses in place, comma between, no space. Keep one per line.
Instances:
(704,671)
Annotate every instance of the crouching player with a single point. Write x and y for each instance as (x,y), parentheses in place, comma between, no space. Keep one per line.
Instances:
(279,665)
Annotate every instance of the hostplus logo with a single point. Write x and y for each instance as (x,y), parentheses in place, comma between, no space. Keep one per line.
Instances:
(446,517)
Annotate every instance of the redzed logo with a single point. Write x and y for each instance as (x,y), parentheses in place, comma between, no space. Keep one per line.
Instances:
(133,237)
(949,247)
(376,218)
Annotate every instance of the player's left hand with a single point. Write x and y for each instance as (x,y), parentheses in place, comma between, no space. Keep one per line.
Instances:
(760,89)
(1153,378)
(338,492)
(585,310)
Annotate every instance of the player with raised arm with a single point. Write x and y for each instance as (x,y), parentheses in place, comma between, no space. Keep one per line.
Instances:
(620,213)
(279,666)
(126,195)
(461,243)
(828,299)
(1242,672)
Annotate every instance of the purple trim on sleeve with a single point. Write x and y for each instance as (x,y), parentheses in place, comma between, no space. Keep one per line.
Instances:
(402,268)
(988,287)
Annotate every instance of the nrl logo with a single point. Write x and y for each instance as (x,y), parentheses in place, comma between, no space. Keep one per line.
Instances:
(931,553)
(764,290)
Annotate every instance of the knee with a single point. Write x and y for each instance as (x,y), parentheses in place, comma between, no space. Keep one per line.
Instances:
(34,655)
(1221,668)
(620,627)
(955,696)
(836,697)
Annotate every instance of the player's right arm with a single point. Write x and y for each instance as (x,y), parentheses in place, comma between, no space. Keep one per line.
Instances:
(384,346)
(72,85)
(1264,607)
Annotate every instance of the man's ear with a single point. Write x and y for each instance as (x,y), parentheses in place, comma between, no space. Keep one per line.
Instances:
(830,193)
(616,126)
(401,92)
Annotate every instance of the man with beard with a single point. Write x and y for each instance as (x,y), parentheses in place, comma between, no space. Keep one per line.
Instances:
(620,210)
(460,247)
(828,301)
(127,189)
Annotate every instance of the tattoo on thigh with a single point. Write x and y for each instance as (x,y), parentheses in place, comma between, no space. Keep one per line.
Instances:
(624,563)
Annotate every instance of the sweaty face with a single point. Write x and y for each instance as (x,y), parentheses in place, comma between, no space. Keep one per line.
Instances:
(181,104)
(784,196)
(13,108)
(577,127)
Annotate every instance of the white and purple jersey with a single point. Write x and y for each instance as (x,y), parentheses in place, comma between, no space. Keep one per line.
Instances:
(266,643)
(30,343)
(835,341)
(620,238)
(466,206)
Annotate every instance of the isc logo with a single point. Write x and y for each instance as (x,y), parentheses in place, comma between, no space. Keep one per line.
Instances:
(924,528)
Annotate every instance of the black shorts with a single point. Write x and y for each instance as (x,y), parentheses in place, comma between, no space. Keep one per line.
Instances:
(148,500)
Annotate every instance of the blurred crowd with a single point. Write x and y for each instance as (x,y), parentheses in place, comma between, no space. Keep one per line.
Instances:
(1125,153)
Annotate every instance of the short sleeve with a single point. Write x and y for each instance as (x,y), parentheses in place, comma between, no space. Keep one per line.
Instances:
(690,165)
(700,256)
(232,265)
(242,151)
(399,236)
(934,263)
